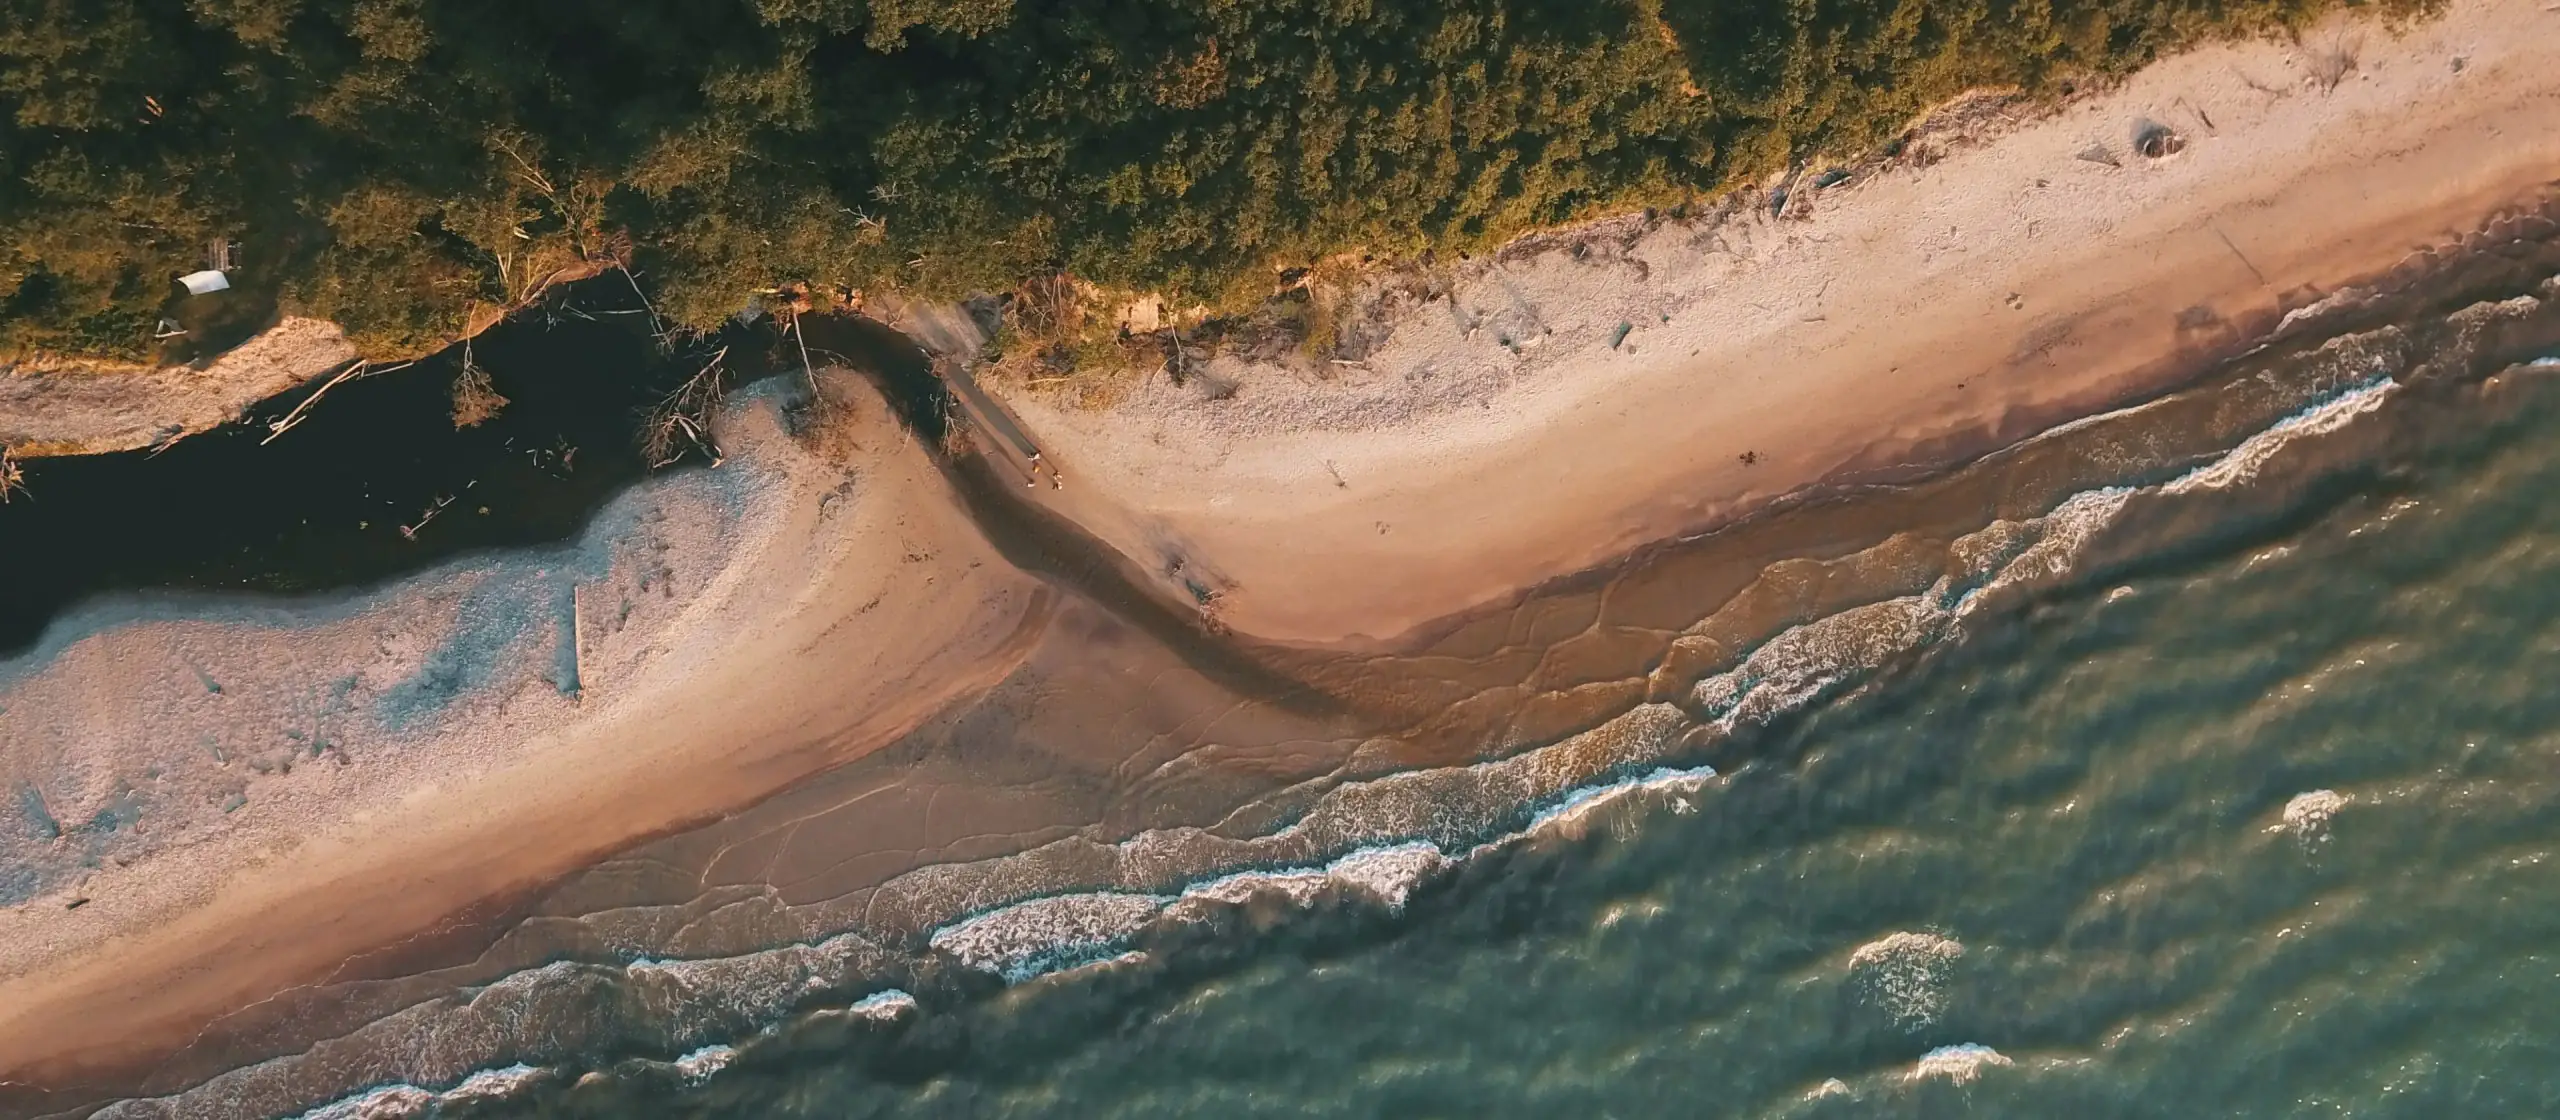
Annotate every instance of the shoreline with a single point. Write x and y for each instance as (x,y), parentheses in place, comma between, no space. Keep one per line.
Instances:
(1915,320)
(1573,462)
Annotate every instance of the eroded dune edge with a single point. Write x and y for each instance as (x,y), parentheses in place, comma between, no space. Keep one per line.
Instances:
(844,715)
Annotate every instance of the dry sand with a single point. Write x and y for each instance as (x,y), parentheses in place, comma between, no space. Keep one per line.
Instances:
(1912,318)
(806,612)
(73,410)
(784,614)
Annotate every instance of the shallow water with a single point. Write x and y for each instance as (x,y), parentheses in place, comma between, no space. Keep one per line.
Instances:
(2191,761)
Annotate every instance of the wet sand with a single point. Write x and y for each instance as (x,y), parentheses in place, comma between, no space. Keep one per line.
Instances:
(889,680)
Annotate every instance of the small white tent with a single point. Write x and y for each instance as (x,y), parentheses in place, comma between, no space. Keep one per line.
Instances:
(200,283)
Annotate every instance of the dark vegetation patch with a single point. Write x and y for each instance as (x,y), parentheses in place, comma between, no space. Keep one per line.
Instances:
(404,166)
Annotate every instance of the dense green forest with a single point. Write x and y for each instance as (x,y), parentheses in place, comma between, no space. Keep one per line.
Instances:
(396,164)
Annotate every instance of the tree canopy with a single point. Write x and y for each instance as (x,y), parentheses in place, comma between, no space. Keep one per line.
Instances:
(395,164)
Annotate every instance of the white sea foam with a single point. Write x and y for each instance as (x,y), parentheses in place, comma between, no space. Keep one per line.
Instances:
(2242,463)
(401,1102)
(1028,939)
(2322,306)
(884,1007)
(1906,974)
(2307,816)
(491,1084)
(396,1102)
(1960,1064)
(1568,816)
(1387,874)
(701,1064)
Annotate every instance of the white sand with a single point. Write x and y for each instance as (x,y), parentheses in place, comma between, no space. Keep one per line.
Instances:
(1879,333)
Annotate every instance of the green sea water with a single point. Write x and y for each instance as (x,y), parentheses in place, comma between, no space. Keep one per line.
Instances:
(2263,820)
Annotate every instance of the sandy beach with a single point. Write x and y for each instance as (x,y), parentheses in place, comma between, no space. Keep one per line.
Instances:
(1576,398)
(1904,320)
(76,410)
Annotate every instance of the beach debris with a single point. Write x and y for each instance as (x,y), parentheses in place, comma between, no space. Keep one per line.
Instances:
(798,301)
(2157,141)
(680,420)
(12,480)
(167,329)
(476,399)
(2098,153)
(2198,110)
(1620,335)
(433,508)
(657,328)
(1831,178)
(2331,64)
(577,689)
(1784,192)
(205,283)
(356,372)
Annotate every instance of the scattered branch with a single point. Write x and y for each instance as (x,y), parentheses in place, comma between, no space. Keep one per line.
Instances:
(357,372)
(411,531)
(656,329)
(816,400)
(475,399)
(12,480)
(2331,64)
(682,419)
